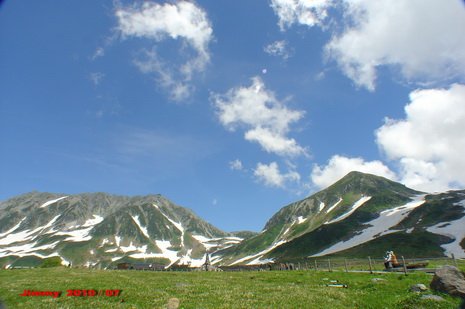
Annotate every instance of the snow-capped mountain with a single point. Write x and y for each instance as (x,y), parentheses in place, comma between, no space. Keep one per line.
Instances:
(359,215)
(89,229)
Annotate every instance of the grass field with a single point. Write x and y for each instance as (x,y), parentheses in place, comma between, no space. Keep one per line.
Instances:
(268,289)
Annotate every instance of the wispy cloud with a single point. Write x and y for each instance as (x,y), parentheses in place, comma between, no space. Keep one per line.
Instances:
(236,165)
(96,77)
(303,12)
(184,21)
(279,49)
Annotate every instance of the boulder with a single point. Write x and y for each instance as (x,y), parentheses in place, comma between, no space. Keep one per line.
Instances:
(432,297)
(450,280)
(418,288)
(377,280)
(173,303)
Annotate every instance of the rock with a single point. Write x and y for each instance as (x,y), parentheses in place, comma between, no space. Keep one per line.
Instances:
(418,288)
(376,280)
(450,280)
(432,297)
(173,303)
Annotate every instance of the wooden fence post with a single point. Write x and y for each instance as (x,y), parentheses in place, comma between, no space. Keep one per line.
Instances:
(405,266)
(306,266)
(329,265)
(316,265)
(454,260)
(345,263)
(369,262)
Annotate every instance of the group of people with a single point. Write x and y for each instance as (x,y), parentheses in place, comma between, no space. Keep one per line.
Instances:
(390,260)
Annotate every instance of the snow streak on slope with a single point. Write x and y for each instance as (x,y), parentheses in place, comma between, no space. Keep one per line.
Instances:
(334,206)
(378,227)
(26,234)
(13,228)
(455,230)
(354,207)
(165,252)
(258,256)
(82,233)
(143,229)
(176,224)
(52,201)
(209,243)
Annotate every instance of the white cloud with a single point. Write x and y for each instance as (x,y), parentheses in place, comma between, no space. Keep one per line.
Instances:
(271,176)
(265,118)
(422,38)
(236,165)
(339,166)
(429,143)
(99,52)
(183,21)
(96,77)
(279,49)
(304,12)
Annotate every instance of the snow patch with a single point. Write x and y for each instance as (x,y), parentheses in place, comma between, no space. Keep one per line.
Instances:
(301,220)
(378,227)
(143,229)
(354,207)
(334,206)
(455,230)
(322,205)
(166,253)
(176,224)
(257,256)
(82,234)
(52,202)
(26,234)
(13,228)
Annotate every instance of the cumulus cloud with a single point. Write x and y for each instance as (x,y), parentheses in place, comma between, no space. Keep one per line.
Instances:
(423,39)
(339,166)
(266,119)
(184,21)
(429,143)
(304,12)
(279,49)
(271,176)
(236,165)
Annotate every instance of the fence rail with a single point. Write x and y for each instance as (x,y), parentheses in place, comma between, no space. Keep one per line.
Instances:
(369,264)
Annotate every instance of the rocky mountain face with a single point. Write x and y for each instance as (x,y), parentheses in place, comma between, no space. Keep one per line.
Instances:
(357,216)
(98,228)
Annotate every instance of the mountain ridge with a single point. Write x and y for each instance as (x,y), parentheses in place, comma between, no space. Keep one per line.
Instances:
(359,213)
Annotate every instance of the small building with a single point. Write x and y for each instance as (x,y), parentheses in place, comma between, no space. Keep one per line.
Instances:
(124,266)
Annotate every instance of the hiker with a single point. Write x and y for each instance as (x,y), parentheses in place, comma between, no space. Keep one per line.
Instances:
(388,260)
(394,261)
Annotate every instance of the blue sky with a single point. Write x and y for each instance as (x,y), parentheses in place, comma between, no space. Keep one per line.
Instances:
(231,108)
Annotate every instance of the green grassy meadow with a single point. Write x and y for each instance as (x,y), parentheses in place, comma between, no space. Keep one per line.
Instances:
(249,289)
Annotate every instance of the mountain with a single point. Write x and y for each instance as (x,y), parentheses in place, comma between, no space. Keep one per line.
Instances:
(359,215)
(98,228)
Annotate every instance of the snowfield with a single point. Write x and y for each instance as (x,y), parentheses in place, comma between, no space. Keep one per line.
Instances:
(456,231)
(377,227)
